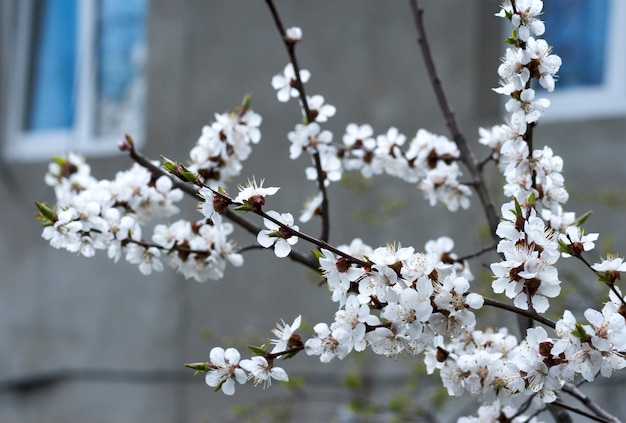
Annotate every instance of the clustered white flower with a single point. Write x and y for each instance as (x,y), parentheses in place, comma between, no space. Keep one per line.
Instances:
(530,250)
(109,215)
(428,160)
(527,59)
(224,145)
(400,302)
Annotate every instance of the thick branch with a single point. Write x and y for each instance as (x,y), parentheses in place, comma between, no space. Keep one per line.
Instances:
(466,153)
(531,314)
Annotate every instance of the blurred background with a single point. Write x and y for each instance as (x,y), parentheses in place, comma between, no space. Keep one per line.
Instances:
(86,340)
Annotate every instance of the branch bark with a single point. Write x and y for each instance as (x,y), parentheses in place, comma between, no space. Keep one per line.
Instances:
(467,156)
(291,51)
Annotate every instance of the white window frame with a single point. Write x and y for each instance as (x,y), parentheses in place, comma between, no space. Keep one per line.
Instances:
(607,100)
(24,145)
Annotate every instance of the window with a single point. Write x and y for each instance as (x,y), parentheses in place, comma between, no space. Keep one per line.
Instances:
(589,36)
(77,77)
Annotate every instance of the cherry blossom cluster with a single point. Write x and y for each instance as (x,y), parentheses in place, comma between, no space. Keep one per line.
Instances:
(399,302)
(225,367)
(109,215)
(429,160)
(526,60)
(494,368)
(530,249)
(224,145)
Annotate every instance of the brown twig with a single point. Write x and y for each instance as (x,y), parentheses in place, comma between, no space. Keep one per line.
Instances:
(589,403)
(467,155)
(290,46)
(233,216)
(531,314)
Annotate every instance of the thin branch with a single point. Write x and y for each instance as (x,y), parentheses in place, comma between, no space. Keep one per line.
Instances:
(531,314)
(559,411)
(320,243)
(581,412)
(175,247)
(140,159)
(589,403)
(466,153)
(233,216)
(483,162)
(290,46)
(477,253)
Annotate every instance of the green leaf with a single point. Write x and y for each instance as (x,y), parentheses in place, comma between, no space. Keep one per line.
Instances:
(290,355)
(580,332)
(169,165)
(244,207)
(247,101)
(582,219)
(518,209)
(563,247)
(189,175)
(48,214)
(257,350)
(219,386)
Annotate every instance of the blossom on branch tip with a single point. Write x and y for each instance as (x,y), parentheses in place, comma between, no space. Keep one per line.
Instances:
(576,241)
(224,144)
(610,268)
(286,335)
(253,195)
(65,233)
(523,16)
(293,34)
(261,371)
(225,370)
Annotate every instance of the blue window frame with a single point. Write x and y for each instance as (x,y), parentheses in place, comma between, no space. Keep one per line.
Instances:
(589,37)
(78,77)
(51,97)
(578,31)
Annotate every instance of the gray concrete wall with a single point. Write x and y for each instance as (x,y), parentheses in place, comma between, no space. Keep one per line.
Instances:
(83,340)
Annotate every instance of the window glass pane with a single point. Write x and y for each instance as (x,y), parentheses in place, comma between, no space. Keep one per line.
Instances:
(121,62)
(578,31)
(52,66)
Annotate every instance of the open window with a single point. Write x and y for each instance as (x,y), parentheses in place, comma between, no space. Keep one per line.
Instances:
(75,77)
(589,36)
